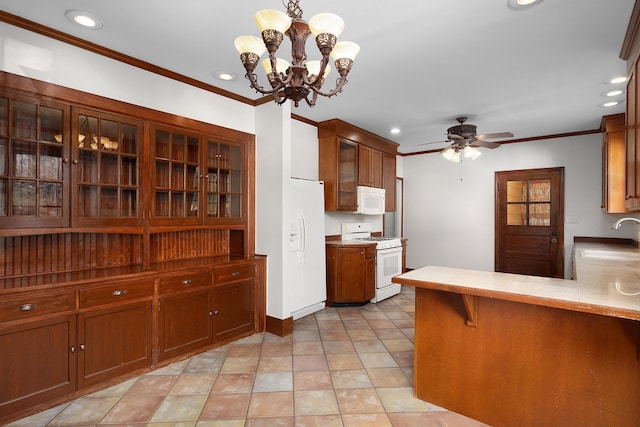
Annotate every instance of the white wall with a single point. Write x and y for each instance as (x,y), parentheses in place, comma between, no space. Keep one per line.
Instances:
(449,207)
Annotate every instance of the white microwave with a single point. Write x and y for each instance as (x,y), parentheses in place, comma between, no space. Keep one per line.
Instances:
(370,200)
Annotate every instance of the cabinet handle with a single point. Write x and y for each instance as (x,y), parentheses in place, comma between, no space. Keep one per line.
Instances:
(211,313)
(119,292)
(65,160)
(75,162)
(215,312)
(27,307)
(235,273)
(186,282)
(73,349)
(82,347)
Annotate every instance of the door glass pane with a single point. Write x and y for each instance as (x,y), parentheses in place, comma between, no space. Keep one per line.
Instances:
(517,214)
(24,120)
(177,176)
(212,205)
(109,169)
(516,191)
(162,174)
(539,214)
(88,201)
(129,139)
(540,191)
(88,166)
(162,204)
(3,197)
(223,159)
(50,199)
(236,206)
(528,203)
(177,147)
(236,157)
(3,157)
(108,202)
(4,116)
(129,171)
(177,204)
(24,159)
(50,124)
(192,150)
(192,202)
(109,138)
(212,154)
(23,197)
(88,132)
(51,162)
(162,144)
(129,203)
(236,182)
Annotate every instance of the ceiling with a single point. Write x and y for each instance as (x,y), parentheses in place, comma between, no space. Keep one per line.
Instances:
(534,72)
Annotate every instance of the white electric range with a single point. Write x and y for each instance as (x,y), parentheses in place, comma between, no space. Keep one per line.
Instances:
(388,257)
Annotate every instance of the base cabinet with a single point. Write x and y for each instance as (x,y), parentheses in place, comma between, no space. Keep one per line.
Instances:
(185,323)
(37,362)
(351,273)
(232,310)
(113,342)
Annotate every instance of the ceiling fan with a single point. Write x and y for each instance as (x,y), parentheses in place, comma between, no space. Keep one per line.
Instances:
(466,139)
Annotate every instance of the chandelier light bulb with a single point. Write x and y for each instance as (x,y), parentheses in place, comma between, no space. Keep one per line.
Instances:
(326,23)
(270,19)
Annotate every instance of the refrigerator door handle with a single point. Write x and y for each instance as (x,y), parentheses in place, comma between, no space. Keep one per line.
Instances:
(303,237)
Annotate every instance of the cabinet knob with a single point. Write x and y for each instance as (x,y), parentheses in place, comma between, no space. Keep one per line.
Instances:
(215,312)
(82,347)
(119,292)
(65,160)
(235,273)
(75,162)
(73,349)
(27,307)
(186,282)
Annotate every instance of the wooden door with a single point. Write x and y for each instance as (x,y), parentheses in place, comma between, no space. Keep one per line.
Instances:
(529,222)
(113,341)
(232,310)
(37,362)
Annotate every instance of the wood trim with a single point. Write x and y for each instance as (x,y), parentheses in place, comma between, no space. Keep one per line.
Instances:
(630,35)
(336,127)
(118,56)
(607,240)
(279,327)
(511,141)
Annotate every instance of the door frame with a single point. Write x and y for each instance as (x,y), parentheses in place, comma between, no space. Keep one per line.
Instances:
(557,220)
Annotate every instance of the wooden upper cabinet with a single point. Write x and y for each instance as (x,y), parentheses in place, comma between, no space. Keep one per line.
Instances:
(350,156)
(34,157)
(224,181)
(106,157)
(613,163)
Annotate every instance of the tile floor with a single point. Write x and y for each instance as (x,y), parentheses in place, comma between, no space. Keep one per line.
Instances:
(340,367)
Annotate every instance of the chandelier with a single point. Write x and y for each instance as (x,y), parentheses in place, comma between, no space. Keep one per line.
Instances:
(299,79)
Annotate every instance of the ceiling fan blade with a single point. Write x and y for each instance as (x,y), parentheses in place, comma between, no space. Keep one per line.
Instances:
(495,135)
(433,142)
(453,136)
(485,144)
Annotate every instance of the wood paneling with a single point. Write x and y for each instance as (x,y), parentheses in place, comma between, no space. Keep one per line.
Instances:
(174,245)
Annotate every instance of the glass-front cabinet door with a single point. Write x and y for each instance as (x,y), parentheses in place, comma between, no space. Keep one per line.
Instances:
(33,163)
(106,168)
(176,178)
(224,180)
(347,175)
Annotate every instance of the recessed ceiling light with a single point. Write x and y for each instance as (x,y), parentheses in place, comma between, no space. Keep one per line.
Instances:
(395,131)
(224,75)
(83,19)
(616,80)
(611,104)
(522,4)
(613,92)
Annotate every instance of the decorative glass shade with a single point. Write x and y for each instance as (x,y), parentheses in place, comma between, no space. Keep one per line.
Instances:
(471,153)
(451,154)
(313,67)
(347,50)
(270,19)
(281,65)
(326,23)
(249,44)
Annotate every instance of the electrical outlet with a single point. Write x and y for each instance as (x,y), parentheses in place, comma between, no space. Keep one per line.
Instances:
(572,219)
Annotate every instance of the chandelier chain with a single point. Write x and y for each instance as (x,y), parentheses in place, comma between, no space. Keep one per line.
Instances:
(293,9)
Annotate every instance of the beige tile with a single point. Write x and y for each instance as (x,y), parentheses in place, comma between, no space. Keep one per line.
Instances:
(308,347)
(179,408)
(398,344)
(319,421)
(353,378)
(299,336)
(403,358)
(377,360)
(359,401)
(133,409)
(417,419)
(366,420)
(404,323)
(268,405)
(315,402)
(193,384)
(335,335)
(343,361)
(39,419)
(275,364)
(152,385)
(331,325)
(448,418)
(236,365)
(240,422)
(382,323)
(276,349)
(312,380)
(273,381)
(401,399)
(370,346)
(270,422)
(362,334)
(233,383)
(271,338)
(225,406)
(338,347)
(206,363)
(84,411)
(310,363)
(243,350)
(388,377)
(391,333)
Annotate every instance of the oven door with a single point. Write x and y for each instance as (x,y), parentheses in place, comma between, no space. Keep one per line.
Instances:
(388,265)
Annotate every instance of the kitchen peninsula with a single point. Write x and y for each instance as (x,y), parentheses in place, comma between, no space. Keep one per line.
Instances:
(510,349)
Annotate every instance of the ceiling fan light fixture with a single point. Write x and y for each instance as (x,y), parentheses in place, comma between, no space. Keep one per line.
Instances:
(451,154)
(471,152)
(522,4)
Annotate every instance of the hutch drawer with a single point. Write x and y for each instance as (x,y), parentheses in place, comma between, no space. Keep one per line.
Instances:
(116,292)
(231,273)
(184,282)
(27,306)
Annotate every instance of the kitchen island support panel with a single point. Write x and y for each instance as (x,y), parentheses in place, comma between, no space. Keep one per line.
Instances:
(525,364)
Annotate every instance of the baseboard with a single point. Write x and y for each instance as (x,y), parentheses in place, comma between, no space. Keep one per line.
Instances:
(280,327)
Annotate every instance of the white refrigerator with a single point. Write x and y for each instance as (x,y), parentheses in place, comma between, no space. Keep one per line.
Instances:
(306,272)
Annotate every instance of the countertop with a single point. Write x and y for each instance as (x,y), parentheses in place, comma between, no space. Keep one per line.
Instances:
(607,282)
